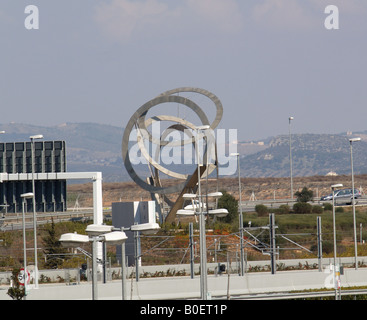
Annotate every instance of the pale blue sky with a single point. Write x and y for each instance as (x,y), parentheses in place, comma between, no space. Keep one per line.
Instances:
(99,61)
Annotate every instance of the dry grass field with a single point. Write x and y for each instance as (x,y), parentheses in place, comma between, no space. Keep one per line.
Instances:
(263,188)
(174,251)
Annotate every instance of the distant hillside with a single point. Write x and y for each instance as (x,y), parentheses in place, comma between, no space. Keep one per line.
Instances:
(312,154)
(97,147)
(89,146)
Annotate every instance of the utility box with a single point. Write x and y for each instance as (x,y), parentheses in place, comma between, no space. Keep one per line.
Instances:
(126,214)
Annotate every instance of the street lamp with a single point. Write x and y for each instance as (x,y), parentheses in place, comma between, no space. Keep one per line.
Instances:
(290,155)
(218,212)
(25,196)
(112,236)
(75,240)
(35,137)
(106,235)
(240,217)
(197,209)
(144,228)
(1,132)
(203,276)
(333,187)
(353,202)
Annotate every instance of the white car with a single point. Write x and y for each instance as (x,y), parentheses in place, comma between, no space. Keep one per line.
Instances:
(343,194)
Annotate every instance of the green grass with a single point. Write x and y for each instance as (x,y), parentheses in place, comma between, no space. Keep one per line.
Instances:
(302,228)
(308,222)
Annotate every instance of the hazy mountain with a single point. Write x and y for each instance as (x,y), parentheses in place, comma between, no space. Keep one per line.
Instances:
(89,146)
(97,147)
(312,154)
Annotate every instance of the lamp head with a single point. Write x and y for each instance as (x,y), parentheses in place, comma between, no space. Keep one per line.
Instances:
(220,213)
(37,136)
(146,228)
(27,195)
(115,237)
(215,194)
(73,240)
(97,229)
(189,196)
(338,185)
(183,212)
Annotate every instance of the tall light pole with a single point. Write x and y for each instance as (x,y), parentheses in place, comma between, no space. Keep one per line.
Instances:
(353,202)
(25,196)
(109,235)
(290,155)
(333,187)
(203,275)
(240,217)
(35,137)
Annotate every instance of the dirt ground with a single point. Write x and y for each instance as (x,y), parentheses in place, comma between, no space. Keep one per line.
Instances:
(260,188)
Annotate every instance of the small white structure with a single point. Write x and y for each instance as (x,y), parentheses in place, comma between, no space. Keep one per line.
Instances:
(331,173)
(126,214)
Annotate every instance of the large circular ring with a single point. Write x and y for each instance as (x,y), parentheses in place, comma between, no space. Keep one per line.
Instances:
(139,121)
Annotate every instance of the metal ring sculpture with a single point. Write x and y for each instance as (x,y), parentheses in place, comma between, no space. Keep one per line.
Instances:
(139,121)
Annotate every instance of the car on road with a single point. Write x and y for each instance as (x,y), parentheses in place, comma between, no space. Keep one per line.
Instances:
(343,194)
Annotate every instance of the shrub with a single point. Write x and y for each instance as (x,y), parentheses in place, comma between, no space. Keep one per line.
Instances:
(302,207)
(317,209)
(327,247)
(16,292)
(305,195)
(283,209)
(261,209)
(227,201)
(339,210)
(328,206)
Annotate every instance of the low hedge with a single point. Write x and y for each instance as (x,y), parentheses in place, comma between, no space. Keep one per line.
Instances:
(302,207)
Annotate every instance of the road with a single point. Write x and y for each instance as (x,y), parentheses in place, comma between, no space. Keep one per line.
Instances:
(249,206)
(13,221)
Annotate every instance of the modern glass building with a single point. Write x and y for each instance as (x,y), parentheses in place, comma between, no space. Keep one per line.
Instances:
(16,158)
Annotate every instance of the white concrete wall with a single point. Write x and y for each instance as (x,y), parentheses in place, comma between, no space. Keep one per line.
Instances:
(73,273)
(185,287)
